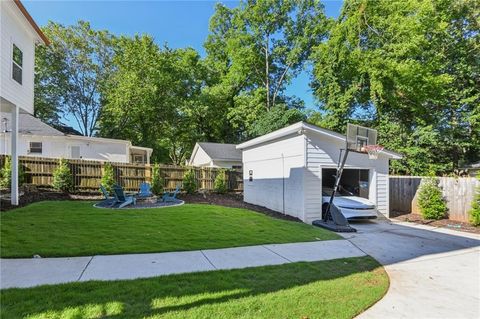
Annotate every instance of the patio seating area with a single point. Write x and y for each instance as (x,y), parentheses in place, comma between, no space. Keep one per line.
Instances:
(143,199)
(139,203)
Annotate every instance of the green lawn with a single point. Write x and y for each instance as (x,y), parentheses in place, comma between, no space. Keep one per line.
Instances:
(73,228)
(339,288)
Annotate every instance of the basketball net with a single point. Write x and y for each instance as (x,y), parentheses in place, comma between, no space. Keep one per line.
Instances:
(372,150)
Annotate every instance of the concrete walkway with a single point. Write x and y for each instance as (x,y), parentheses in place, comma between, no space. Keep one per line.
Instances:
(434,272)
(32,272)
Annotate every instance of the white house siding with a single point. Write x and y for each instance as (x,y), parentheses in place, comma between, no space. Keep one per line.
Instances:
(59,147)
(15,29)
(277,175)
(323,152)
(201,158)
(225,164)
(382,187)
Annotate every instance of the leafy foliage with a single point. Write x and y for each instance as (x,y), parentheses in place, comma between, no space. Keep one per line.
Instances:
(409,69)
(62,177)
(71,74)
(256,49)
(189,184)
(108,177)
(475,211)
(154,99)
(6,173)
(157,180)
(220,183)
(430,199)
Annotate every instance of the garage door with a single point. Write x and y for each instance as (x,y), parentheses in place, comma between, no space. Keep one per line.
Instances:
(354,182)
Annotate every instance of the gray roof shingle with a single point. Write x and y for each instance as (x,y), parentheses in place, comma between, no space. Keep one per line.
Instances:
(28,124)
(221,151)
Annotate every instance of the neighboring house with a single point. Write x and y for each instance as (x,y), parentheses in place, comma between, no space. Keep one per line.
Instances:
(18,36)
(216,155)
(39,139)
(286,170)
(471,170)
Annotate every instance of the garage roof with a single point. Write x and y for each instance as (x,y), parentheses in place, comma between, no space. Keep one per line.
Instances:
(301,128)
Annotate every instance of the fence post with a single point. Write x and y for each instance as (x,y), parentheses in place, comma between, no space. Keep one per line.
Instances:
(148,173)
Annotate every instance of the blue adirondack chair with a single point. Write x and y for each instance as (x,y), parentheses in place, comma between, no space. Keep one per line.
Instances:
(120,197)
(145,190)
(109,199)
(171,197)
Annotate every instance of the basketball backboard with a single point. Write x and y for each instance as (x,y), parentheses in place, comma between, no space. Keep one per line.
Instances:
(359,136)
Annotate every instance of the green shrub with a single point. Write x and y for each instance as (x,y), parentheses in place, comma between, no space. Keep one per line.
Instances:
(108,177)
(430,199)
(157,180)
(220,183)
(189,182)
(62,177)
(475,211)
(6,174)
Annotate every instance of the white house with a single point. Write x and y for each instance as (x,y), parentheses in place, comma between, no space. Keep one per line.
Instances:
(286,170)
(215,155)
(41,140)
(18,36)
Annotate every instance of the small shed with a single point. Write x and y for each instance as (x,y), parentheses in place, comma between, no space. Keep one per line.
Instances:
(222,155)
(287,169)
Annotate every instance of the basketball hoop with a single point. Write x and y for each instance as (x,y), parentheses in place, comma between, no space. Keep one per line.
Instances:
(372,150)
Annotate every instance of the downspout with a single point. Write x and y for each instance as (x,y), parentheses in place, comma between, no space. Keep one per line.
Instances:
(283,184)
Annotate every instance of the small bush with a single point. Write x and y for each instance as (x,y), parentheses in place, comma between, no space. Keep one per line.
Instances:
(108,177)
(62,177)
(189,182)
(220,183)
(475,211)
(6,174)
(430,200)
(157,180)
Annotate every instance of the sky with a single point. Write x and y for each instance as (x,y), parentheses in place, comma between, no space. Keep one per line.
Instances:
(178,23)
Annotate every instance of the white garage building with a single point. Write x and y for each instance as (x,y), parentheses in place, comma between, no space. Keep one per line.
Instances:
(286,170)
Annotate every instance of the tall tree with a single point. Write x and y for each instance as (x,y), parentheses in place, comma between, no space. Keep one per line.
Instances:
(71,74)
(154,98)
(411,69)
(258,48)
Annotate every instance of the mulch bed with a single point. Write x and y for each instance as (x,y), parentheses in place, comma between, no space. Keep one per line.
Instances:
(234,201)
(34,194)
(443,223)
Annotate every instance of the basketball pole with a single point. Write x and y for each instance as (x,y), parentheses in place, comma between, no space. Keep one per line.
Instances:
(337,183)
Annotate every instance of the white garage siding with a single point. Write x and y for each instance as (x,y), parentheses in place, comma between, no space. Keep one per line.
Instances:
(277,175)
(382,186)
(287,170)
(323,152)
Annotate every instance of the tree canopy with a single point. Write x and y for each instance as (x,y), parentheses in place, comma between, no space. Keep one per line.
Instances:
(409,68)
(256,49)
(71,73)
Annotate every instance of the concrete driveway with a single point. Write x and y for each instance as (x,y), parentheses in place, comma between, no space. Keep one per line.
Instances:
(434,273)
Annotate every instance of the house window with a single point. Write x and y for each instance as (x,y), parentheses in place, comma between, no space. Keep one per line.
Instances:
(36,147)
(138,159)
(237,167)
(17,64)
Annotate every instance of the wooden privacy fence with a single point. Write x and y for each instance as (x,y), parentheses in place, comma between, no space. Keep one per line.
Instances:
(87,174)
(458,193)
